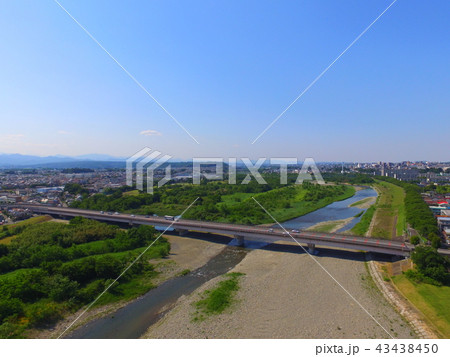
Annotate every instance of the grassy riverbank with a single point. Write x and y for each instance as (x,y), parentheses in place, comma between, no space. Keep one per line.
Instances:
(430,300)
(49,270)
(390,219)
(386,216)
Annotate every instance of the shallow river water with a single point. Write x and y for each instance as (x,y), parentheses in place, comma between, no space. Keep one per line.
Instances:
(333,212)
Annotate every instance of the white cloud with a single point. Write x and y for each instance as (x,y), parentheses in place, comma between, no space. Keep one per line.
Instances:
(150,133)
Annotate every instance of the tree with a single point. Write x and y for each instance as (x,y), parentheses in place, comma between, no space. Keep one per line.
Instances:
(61,288)
(3,250)
(108,267)
(431,264)
(435,240)
(9,307)
(42,313)
(414,240)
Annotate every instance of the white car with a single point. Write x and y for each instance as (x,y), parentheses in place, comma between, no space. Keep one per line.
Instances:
(116,213)
(132,215)
(295,231)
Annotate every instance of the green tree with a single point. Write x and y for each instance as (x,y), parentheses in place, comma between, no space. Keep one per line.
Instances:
(108,267)
(435,240)
(431,264)
(3,250)
(414,240)
(10,307)
(43,313)
(61,288)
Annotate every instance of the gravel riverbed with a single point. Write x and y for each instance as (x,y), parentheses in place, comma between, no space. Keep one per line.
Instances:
(286,294)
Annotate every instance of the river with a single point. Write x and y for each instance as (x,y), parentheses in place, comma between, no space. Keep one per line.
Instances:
(335,211)
(134,319)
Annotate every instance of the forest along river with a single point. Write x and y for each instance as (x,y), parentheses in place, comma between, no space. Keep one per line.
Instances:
(134,319)
(335,211)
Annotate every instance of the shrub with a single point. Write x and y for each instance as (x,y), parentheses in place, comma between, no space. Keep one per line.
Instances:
(61,288)
(81,270)
(108,267)
(218,299)
(417,277)
(11,330)
(94,289)
(10,307)
(43,313)
(3,250)
(25,285)
(414,240)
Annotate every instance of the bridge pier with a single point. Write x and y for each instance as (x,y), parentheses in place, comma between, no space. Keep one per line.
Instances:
(182,232)
(312,249)
(240,240)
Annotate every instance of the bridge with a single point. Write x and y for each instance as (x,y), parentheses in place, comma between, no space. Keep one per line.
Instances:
(238,231)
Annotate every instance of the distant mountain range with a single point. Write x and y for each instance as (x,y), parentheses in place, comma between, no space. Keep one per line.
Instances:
(89,161)
(60,161)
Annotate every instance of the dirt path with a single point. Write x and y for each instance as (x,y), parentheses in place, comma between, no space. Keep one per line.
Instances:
(372,224)
(394,229)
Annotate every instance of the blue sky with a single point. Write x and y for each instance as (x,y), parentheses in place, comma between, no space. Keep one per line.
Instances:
(225,70)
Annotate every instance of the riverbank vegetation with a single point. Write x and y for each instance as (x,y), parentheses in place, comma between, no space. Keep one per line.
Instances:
(429,299)
(328,227)
(386,215)
(52,269)
(427,286)
(390,219)
(417,212)
(361,202)
(351,178)
(218,299)
(8,232)
(222,202)
(363,225)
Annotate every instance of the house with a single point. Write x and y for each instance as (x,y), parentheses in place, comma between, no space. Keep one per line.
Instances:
(443,223)
(6,199)
(446,233)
